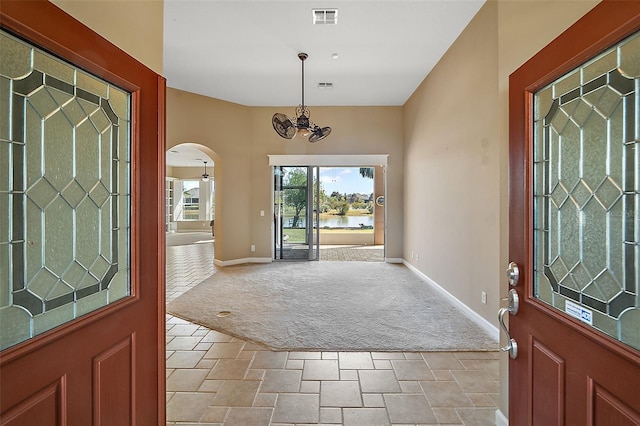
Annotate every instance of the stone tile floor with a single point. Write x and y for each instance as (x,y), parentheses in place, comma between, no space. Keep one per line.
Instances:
(217,379)
(352,253)
(349,253)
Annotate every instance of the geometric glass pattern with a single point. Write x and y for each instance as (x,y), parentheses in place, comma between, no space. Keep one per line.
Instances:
(586,188)
(64,192)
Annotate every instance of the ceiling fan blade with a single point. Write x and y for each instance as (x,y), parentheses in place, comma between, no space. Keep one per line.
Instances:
(319,134)
(283,126)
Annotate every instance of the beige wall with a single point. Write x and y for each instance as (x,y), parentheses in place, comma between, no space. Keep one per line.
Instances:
(355,130)
(452,208)
(241,138)
(456,152)
(134,26)
(222,131)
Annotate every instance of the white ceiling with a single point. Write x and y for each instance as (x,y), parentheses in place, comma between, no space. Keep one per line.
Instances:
(246,51)
(188,156)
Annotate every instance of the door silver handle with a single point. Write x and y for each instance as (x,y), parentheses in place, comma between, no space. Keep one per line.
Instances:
(513,274)
(512,346)
(512,307)
(513,302)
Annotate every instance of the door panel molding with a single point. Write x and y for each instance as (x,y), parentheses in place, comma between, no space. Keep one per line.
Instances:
(547,406)
(44,407)
(113,390)
(606,409)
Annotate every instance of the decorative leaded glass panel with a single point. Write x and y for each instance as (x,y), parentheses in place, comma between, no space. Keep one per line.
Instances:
(64,192)
(587,192)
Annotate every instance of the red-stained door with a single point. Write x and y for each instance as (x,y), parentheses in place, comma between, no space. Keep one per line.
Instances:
(575,225)
(81,241)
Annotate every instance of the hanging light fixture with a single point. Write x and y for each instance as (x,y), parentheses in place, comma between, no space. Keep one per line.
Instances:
(288,127)
(205,176)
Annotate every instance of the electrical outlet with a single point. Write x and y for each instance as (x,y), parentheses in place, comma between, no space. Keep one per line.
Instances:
(484,297)
(417,255)
(253,247)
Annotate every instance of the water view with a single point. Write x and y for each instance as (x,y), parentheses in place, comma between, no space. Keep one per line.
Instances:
(335,222)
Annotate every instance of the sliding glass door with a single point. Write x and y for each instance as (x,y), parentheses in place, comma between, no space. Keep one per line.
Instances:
(296,198)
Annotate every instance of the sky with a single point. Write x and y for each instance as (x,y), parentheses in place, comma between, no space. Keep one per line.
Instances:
(345,180)
(342,179)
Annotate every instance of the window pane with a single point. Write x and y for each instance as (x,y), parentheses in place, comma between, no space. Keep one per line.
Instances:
(64,192)
(586,193)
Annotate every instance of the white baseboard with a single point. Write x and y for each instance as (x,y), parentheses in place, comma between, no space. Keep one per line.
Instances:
(501,419)
(475,317)
(223,263)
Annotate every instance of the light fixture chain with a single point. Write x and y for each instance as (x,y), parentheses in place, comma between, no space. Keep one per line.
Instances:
(303,83)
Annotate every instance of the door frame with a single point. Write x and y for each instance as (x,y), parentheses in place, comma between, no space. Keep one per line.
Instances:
(605,25)
(347,160)
(40,23)
(311,215)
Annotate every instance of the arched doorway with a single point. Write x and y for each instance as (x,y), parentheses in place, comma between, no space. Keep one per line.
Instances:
(190,188)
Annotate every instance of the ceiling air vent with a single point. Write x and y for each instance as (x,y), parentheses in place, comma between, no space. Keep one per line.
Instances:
(325,16)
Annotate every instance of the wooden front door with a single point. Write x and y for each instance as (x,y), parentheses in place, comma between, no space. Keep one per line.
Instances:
(575,226)
(81,213)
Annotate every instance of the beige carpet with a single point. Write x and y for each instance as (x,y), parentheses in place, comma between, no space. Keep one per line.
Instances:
(336,306)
